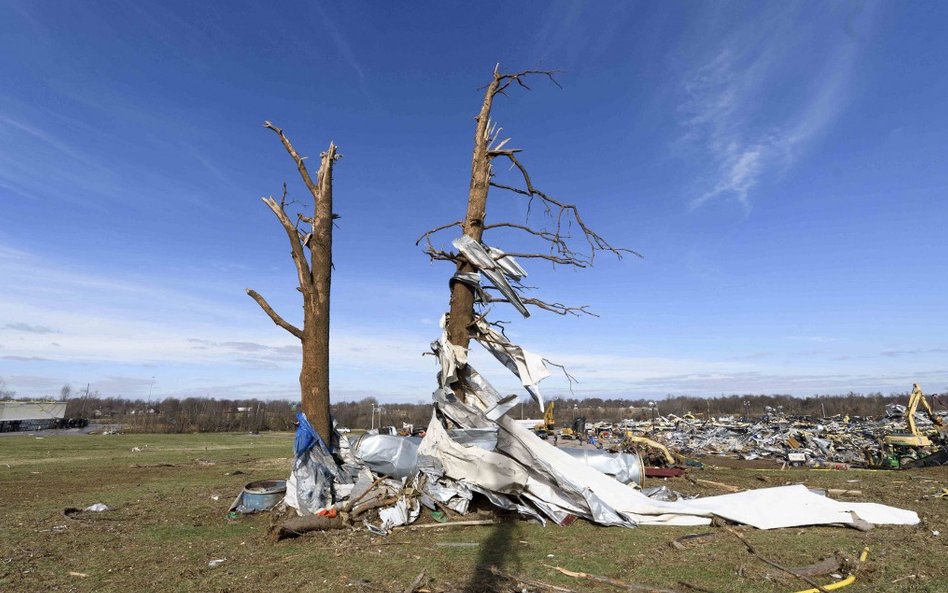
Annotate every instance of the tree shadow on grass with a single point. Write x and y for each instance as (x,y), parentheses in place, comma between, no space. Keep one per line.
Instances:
(500,550)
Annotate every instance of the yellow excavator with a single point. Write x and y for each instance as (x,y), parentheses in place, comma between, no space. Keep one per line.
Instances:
(632,440)
(915,437)
(906,449)
(549,423)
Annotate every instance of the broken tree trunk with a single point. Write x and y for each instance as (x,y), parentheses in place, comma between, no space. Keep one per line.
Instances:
(314,276)
(466,288)
(461,312)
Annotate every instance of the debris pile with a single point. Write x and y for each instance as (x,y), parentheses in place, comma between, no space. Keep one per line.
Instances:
(471,447)
(805,441)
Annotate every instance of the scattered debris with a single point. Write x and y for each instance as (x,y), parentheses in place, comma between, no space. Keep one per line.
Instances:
(258,496)
(609,581)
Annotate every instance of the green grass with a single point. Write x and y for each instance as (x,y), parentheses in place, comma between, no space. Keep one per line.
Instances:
(167,525)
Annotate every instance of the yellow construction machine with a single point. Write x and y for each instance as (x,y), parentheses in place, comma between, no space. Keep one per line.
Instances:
(546,427)
(632,440)
(915,437)
(909,449)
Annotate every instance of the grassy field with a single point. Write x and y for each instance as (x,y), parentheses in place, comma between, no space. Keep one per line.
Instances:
(170,495)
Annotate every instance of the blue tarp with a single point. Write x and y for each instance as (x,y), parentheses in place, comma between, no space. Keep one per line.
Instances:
(306,436)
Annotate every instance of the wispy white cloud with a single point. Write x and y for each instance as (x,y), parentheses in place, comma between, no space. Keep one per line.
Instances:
(729,111)
(343,47)
(33,329)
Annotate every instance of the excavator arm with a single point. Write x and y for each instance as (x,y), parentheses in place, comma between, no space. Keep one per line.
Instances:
(918,398)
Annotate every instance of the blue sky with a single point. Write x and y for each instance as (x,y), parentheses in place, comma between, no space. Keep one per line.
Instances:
(782,167)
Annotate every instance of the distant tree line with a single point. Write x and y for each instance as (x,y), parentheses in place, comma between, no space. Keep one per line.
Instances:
(173,415)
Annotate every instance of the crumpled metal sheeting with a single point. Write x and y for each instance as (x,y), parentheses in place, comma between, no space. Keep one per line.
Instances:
(450,357)
(454,366)
(527,366)
(624,467)
(403,512)
(458,412)
(487,469)
(478,255)
(389,455)
(454,494)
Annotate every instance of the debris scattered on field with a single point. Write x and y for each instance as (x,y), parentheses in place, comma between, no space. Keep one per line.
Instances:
(98,507)
(216,563)
(258,496)
(471,447)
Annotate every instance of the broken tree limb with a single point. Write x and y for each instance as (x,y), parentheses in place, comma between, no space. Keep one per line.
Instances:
(297,526)
(695,587)
(416,582)
(353,502)
(849,580)
(718,485)
(373,504)
(824,566)
(843,492)
(679,543)
(610,581)
(528,581)
(451,524)
(752,550)
(274,316)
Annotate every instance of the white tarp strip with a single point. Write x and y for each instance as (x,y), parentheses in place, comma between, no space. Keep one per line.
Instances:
(766,508)
(528,366)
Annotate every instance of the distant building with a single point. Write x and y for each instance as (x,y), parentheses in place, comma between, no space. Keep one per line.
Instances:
(31,415)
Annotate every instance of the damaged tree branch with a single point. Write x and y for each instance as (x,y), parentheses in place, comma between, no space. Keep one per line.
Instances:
(753,551)
(274,315)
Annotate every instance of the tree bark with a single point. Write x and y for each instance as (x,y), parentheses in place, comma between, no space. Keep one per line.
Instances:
(314,283)
(461,311)
(314,373)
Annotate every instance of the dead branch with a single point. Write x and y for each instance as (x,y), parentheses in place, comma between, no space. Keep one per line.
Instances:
(610,581)
(505,80)
(348,506)
(753,551)
(299,258)
(416,583)
(437,254)
(297,526)
(695,587)
(373,503)
(558,308)
(472,523)
(569,378)
(566,212)
(274,315)
(428,233)
(528,581)
(300,165)
(566,261)
(557,241)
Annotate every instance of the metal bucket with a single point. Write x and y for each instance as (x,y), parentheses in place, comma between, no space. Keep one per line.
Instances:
(263,495)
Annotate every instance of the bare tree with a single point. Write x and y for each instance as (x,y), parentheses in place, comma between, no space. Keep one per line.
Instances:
(561,221)
(4,392)
(310,240)
(65,392)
